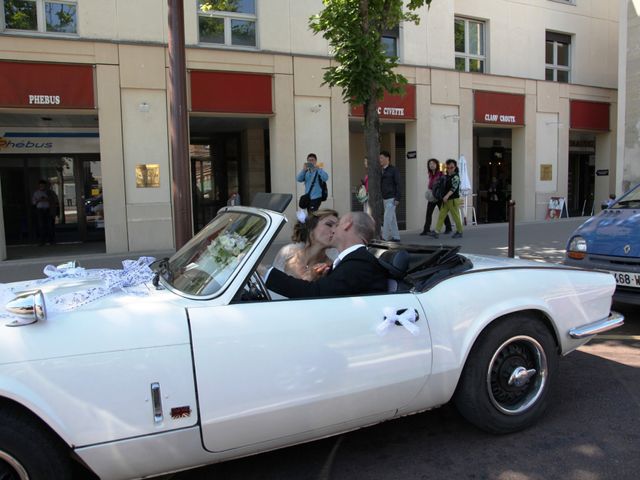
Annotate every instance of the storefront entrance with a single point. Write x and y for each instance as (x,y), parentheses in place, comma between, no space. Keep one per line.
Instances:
(76,182)
(493,155)
(581,185)
(229,164)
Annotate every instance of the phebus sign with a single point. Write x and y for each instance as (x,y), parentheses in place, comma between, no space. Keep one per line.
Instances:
(46,85)
(499,108)
(399,107)
(77,141)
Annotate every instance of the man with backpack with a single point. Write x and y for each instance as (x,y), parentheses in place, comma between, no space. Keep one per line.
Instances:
(315,185)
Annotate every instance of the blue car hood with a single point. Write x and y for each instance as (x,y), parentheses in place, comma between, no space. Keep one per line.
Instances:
(610,231)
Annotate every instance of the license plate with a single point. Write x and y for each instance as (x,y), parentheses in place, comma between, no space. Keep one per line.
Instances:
(627,279)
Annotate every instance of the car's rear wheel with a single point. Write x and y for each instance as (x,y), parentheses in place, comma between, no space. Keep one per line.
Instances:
(507,379)
(28,451)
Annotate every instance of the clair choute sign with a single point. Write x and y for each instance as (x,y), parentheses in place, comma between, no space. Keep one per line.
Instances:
(499,108)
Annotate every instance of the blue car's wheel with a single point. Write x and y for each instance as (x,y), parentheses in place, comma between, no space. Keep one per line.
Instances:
(506,381)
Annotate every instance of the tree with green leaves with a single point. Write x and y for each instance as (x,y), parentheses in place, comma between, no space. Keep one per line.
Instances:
(364,71)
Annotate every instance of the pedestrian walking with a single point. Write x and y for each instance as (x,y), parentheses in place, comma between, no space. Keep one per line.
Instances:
(433,174)
(362,194)
(391,193)
(40,200)
(450,201)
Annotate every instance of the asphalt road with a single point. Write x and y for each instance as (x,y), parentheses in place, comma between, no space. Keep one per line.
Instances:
(590,432)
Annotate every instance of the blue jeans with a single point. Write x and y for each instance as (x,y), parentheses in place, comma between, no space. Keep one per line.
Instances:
(389,222)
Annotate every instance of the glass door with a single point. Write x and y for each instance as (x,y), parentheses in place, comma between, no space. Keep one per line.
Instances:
(74,186)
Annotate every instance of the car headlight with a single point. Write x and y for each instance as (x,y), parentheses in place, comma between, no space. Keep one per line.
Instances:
(577,248)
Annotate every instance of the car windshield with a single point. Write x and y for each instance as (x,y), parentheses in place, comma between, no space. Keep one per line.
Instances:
(208,260)
(630,200)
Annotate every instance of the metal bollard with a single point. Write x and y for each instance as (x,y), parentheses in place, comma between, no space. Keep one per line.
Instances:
(511,213)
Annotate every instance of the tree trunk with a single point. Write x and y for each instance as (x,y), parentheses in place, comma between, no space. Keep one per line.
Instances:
(372,147)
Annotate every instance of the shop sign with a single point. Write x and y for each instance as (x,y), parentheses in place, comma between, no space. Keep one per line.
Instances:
(45,85)
(231,92)
(589,115)
(400,107)
(557,208)
(49,142)
(546,172)
(499,108)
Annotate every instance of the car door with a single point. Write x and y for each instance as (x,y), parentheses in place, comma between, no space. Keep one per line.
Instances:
(291,370)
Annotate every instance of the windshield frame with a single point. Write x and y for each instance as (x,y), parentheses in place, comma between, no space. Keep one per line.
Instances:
(238,268)
(634,193)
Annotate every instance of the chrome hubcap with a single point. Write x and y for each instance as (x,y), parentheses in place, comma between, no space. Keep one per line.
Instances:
(517,375)
(15,469)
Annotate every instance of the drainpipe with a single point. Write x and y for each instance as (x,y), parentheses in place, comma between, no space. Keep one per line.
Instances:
(178,132)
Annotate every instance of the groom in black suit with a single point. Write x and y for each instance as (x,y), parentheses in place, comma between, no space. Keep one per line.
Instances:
(354,272)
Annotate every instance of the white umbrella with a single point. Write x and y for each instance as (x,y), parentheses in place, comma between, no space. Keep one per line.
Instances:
(465,188)
(465,185)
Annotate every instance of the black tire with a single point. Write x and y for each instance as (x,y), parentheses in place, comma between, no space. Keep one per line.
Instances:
(506,382)
(28,450)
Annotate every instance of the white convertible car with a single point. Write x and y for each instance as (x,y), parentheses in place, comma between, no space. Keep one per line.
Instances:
(142,371)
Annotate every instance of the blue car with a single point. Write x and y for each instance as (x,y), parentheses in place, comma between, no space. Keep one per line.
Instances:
(611,241)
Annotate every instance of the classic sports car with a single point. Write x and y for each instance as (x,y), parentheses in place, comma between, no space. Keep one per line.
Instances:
(142,371)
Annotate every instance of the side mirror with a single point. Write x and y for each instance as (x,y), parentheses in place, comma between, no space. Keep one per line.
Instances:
(28,307)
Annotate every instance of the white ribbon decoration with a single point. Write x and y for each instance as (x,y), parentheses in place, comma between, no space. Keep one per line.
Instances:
(131,279)
(406,319)
(53,272)
(133,274)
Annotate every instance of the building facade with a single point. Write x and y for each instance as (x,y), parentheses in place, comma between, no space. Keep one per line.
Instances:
(628,95)
(525,91)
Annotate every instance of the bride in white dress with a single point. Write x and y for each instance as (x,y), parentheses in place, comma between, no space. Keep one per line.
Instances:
(310,254)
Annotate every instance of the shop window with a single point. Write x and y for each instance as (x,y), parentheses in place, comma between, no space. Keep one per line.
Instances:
(227,22)
(469,38)
(557,57)
(40,16)
(390,42)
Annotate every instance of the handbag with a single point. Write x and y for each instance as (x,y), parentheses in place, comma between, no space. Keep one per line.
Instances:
(305,201)
(361,195)
(428,195)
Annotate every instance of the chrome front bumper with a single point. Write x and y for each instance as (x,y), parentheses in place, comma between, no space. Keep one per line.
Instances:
(614,320)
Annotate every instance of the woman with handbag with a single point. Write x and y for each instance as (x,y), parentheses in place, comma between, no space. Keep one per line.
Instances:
(433,172)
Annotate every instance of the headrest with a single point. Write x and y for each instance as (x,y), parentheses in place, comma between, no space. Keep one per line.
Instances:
(396,262)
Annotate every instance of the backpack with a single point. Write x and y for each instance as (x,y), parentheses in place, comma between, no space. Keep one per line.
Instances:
(439,188)
(325,190)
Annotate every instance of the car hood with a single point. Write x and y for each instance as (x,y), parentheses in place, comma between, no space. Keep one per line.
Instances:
(610,231)
(140,317)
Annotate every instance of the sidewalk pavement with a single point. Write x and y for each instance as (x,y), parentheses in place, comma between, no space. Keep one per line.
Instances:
(542,241)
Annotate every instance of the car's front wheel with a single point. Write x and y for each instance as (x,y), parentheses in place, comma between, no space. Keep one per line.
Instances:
(506,382)
(28,451)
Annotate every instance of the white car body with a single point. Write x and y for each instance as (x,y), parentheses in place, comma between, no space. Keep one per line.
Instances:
(241,378)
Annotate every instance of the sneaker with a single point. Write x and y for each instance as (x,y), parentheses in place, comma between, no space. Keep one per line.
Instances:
(447,231)
(424,232)
(456,235)
(433,234)
(397,240)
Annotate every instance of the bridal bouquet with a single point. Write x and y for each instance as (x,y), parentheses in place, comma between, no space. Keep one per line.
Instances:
(226,248)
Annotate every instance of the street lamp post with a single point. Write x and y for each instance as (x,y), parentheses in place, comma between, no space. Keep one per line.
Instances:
(178,135)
